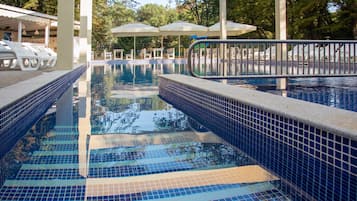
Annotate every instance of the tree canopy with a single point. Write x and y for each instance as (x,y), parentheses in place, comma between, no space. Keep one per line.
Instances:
(319,19)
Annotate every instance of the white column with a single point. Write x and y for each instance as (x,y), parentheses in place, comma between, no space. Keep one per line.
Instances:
(179,47)
(280,19)
(280,34)
(47,35)
(223,18)
(134,55)
(65,33)
(19,32)
(223,33)
(85,31)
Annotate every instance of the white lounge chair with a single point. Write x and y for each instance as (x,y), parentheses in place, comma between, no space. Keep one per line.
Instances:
(170,53)
(130,56)
(52,54)
(47,57)
(107,55)
(268,53)
(146,54)
(118,54)
(158,53)
(7,57)
(348,52)
(27,59)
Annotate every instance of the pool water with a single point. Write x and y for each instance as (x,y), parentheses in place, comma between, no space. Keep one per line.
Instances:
(128,144)
(333,92)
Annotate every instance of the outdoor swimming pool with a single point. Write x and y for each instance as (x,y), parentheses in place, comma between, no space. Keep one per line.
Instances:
(128,144)
(134,146)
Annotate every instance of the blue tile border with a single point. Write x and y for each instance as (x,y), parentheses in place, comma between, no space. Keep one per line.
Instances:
(313,162)
(18,117)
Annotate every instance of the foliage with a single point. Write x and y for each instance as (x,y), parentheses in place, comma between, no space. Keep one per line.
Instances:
(345,22)
(156,15)
(101,25)
(306,19)
(203,12)
(256,12)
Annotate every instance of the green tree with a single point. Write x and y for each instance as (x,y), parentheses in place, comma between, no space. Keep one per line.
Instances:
(256,12)
(120,14)
(345,21)
(203,12)
(156,15)
(16,3)
(101,25)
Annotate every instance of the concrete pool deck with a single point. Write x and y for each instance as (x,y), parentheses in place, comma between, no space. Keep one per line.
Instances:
(8,78)
(18,84)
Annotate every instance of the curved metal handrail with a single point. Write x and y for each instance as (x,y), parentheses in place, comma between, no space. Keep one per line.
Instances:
(275,58)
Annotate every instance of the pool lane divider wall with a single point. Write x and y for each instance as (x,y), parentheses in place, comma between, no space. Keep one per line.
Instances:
(22,104)
(311,147)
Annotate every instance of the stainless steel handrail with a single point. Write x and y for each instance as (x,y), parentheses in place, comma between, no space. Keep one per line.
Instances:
(232,59)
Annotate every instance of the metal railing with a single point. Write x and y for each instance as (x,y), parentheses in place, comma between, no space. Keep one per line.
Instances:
(231,59)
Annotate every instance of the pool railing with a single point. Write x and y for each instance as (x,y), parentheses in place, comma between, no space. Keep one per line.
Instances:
(232,59)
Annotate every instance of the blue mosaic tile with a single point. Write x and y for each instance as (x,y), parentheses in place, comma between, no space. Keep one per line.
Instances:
(27,193)
(317,162)
(16,119)
(48,174)
(53,159)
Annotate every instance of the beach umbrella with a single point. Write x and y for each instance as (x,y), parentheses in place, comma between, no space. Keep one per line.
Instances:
(180,28)
(233,29)
(135,30)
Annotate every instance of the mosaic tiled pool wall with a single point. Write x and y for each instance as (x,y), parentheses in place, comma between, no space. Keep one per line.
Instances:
(313,163)
(17,118)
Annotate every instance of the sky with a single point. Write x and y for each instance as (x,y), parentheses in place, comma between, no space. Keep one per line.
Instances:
(160,2)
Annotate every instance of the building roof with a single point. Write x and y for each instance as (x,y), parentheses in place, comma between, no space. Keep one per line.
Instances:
(10,16)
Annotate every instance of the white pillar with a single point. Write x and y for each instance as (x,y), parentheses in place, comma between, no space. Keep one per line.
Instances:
(19,32)
(280,19)
(223,33)
(65,33)
(280,34)
(179,47)
(85,31)
(134,54)
(223,18)
(47,35)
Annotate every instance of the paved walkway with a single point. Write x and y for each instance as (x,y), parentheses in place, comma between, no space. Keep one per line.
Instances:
(8,78)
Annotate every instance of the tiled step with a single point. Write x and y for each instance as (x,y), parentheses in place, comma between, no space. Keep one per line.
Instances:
(54,190)
(129,140)
(226,182)
(159,151)
(53,159)
(62,137)
(49,174)
(268,195)
(58,147)
(206,194)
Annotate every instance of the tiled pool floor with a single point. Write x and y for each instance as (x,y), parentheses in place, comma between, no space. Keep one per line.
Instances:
(130,145)
(163,166)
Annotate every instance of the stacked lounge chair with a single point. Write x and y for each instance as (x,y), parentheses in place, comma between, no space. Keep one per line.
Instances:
(26,58)
(30,56)
(7,57)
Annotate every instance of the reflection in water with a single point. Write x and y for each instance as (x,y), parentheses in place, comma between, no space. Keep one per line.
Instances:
(129,101)
(131,145)
(84,125)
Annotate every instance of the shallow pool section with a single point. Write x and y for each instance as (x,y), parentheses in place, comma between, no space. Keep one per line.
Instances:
(128,144)
(333,92)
